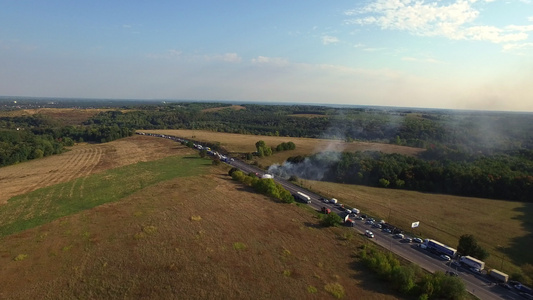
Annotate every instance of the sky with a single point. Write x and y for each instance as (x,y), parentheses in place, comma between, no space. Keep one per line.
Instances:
(458,54)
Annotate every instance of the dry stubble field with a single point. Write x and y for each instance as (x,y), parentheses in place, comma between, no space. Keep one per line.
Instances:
(504,228)
(81,161)
(195,237)
(241,143)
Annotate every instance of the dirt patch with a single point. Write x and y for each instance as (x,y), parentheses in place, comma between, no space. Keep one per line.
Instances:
(234,107)
(206,237)
(81,161)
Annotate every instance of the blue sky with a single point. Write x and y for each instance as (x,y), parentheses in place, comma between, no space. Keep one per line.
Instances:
(463,54)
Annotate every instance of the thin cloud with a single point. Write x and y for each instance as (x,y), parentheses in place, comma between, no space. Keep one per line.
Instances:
(452,20)
(226,57)
(327,39)
(422,60)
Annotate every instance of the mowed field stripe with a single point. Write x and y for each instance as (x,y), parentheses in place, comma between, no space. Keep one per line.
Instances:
(93,162)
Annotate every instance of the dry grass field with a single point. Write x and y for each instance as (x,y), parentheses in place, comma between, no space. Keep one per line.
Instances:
(81,161)
(234,107)
(504,228)
(193,237)
(65,116)
(241,143)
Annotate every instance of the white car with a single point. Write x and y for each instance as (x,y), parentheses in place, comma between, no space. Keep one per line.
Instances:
(445,257)
(418,240)
(348,211)
(369,234)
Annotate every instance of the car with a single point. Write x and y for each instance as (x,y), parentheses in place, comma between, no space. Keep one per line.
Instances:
(418,240)
(455,264)
(363,216)
(387,230)
(369,234)
(399,235)
(452,273)
(505,285)
(408,240)
(358,218)
(376,225)
(369,222)
(348,211)
(445,257)
(372,219)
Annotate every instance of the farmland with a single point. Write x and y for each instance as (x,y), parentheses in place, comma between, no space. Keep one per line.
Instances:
(195,234)
(443,217)
(241,143)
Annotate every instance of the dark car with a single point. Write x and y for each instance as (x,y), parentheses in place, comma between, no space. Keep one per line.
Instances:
(451,273)
(505,285)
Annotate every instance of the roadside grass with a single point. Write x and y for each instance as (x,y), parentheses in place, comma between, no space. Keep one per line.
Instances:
(504,228)
(101,258)
(46,204)
(501,227)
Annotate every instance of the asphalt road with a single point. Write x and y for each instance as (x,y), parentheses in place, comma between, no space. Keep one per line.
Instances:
(479,285)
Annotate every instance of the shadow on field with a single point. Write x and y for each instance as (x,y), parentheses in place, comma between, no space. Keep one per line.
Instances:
(313,225)
(520,250)
(368,280)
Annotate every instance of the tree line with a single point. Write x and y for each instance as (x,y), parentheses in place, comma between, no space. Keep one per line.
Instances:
(499,177)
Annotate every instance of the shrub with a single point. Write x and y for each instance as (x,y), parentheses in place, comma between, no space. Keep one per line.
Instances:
(331,219)
(20,257)
(239,246)
(335,289)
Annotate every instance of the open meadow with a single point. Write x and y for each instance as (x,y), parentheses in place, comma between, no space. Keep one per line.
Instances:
(169,226)
(242,143)
(81,161)
(504,228)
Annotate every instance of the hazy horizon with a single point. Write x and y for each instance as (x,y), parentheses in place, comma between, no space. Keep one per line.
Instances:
(458,54)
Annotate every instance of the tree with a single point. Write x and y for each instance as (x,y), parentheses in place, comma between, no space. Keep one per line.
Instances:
(331,219)
(468,246)
(232,170)
(203,153)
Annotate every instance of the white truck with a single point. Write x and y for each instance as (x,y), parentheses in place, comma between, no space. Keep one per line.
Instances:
(502,277)
(472,262)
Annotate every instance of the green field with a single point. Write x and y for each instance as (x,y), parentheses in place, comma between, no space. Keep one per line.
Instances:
(47,204)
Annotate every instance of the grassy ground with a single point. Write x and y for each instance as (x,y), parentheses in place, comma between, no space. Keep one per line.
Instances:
(504,228)
(241,143)
(201,236)
(83,160)
(50,203)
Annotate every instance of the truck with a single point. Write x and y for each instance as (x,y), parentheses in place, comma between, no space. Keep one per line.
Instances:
(472,262)
(325,210)
(440,248)
(302,197)
(498,275)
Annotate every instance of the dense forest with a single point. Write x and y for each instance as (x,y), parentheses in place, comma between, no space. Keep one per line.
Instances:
(472,153)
